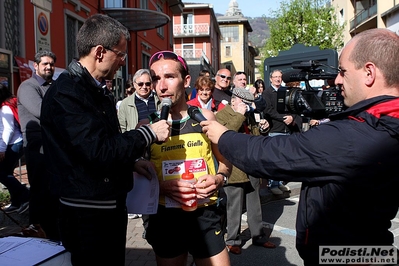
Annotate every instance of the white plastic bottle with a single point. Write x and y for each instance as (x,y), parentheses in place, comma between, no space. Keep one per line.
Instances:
(189,177)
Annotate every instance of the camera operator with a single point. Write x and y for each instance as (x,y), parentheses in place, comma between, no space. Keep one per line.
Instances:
(280,124)
(321,120)
(348,166)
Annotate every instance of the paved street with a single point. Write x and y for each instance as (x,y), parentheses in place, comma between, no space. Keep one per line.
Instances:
(279,214)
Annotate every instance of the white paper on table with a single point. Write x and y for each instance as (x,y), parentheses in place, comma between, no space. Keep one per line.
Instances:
(22,251)
(143,198)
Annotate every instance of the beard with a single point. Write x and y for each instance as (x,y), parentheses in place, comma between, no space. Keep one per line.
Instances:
(46,75)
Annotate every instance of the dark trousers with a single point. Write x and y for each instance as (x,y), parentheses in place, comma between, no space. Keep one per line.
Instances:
(18,192)
(94,236)
(43,206)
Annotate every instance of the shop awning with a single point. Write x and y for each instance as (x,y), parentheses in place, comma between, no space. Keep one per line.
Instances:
(137,19)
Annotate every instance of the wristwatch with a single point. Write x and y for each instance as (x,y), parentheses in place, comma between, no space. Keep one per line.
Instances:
(225,178)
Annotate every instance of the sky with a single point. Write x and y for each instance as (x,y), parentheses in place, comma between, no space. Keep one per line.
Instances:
(249,8)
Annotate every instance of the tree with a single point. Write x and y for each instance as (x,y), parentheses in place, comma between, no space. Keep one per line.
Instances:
(309,22)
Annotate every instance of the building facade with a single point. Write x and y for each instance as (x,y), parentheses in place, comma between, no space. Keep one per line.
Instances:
(360,15)
(237,53)
(197,38)
(27,26)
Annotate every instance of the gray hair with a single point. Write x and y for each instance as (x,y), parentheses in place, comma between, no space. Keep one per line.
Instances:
(274,71)
(141,72)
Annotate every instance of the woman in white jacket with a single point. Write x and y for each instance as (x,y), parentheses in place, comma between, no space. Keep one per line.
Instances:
(11,151)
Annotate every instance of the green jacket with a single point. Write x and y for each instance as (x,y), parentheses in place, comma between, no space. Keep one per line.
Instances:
(127,113)
(234,121)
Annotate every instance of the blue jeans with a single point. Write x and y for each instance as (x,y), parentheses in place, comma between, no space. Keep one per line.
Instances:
(18,192)
(273,183)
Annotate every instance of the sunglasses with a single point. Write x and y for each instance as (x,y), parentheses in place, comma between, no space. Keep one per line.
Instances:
(140,84)
(224,76)
(167,55)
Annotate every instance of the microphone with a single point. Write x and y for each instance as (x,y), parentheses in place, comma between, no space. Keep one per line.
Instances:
(165,106)
(195,114)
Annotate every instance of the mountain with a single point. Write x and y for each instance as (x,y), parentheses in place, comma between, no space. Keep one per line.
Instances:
(260,31)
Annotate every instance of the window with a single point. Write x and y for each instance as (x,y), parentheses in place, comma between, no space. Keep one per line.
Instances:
(228,51)
(145,59)
(73,25)
(160,30)
(230,33)
(341,17)
(10,32)
(113,3)
(170,34)
(188,51)
(188,23)
(143,4)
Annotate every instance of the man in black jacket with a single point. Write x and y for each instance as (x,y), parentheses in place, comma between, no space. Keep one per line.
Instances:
(90,160)
(348,166)
(280,123)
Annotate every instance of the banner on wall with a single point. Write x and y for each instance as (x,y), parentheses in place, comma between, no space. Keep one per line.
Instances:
(25,72)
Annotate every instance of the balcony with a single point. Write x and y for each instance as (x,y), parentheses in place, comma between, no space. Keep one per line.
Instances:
(363,16)
(190,54)
(183,30)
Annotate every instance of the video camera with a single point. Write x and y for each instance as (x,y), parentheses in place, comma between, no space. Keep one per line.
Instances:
(316,103)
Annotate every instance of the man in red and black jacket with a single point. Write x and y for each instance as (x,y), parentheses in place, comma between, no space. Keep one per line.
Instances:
(348,166)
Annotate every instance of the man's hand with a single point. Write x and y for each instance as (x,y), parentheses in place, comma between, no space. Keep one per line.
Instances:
(288,119)
(213,130)
(242,108)
(207,185)
(252,90)
(161,129)
(263,124)
(314,122)
(145,168)
(178,190)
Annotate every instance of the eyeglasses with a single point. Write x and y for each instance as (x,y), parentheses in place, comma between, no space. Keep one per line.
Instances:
(205,90)
(224,76)
(167,55)
(140,84)
(275,77)
(122,55)
(240,73)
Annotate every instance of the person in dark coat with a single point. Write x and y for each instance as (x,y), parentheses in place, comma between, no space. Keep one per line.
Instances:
(348,166)
(90,161)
